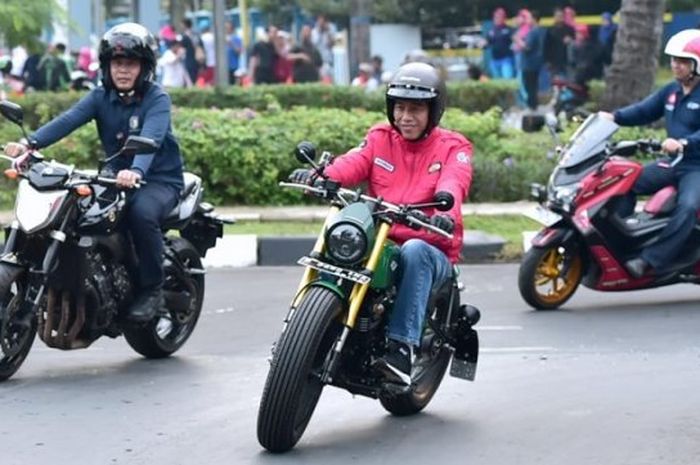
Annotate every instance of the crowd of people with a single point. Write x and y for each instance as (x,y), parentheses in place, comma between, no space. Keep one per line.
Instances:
(514,49)
(566,51)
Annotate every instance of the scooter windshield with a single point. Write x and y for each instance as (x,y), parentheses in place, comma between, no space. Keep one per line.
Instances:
(588,141)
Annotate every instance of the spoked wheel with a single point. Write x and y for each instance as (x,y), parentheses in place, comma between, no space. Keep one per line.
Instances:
(166,333)
(549,275)
(294,384)
(16,336)
(428,370)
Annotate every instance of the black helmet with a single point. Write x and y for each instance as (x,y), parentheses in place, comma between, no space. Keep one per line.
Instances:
(128,40)
(417,81)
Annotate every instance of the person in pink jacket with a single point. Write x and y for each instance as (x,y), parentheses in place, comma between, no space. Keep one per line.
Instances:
(408,161)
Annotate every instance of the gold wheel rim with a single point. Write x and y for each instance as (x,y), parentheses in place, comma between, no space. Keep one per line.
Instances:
(555,279)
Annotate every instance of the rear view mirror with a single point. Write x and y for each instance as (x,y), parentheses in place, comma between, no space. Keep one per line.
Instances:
(445,201)
(12,112)
(305,152)
(136,145)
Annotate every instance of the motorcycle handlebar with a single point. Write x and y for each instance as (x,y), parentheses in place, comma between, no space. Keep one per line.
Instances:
(387,206)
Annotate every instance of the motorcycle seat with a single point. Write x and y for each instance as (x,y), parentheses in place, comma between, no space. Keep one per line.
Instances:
(662,202)
(187,204)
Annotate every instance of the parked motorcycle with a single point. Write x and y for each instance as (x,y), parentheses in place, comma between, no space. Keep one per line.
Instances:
(584,239)
(67,269)
(334,330)
(568,99)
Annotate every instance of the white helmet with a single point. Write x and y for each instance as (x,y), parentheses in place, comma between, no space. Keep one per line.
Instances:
(685,44)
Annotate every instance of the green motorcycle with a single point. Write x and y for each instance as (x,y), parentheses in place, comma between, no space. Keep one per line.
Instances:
(334,330)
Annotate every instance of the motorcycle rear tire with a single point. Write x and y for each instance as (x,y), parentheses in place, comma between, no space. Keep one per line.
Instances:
(293,384)
(145,339)
(427,374)
(9,364)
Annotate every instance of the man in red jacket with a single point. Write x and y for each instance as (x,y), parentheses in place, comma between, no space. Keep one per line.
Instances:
(408,161)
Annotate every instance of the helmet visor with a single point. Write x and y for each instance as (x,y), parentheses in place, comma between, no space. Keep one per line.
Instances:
(411,92)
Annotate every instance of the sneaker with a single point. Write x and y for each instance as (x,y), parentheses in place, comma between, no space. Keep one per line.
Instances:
(396,362)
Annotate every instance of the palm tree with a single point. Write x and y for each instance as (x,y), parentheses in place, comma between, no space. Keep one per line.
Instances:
(635,57)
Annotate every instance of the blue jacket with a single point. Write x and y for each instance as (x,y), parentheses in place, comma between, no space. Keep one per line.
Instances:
(682,113)
(500,41)
(148,117)
(532,56)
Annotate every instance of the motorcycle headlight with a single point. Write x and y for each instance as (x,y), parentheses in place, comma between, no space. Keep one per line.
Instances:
(564,194)
(347,243)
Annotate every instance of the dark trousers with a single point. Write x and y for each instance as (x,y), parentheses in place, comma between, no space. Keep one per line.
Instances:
(530,83)
(682,221)
(147,207)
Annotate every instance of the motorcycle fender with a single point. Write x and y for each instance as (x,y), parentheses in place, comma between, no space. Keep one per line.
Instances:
(331,287)
(465,356)
(551,235)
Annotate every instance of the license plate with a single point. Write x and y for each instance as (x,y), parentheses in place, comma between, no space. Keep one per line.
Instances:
(544,216)
(324,267)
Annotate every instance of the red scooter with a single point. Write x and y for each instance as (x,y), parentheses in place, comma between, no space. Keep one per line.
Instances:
(584,239)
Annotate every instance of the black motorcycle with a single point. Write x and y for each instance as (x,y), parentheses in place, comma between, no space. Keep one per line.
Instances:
(67,269)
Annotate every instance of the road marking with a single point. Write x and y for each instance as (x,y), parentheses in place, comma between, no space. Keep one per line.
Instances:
(499,328)
(508,350)
(219,311)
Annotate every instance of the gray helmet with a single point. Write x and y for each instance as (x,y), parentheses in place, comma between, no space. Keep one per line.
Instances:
(417,81)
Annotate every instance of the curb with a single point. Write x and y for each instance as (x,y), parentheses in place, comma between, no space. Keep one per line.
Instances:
(241,250)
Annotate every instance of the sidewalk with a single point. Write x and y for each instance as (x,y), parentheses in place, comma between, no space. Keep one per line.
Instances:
(250,250)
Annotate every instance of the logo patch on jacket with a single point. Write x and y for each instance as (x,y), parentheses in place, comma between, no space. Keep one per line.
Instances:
(693,105)
(134,122)
(671,102)
(384,164)
(463,158)
(434,167)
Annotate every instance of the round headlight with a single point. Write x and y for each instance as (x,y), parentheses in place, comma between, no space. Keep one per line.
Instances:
(347,243)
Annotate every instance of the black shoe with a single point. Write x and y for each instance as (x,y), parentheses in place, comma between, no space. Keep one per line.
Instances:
(396,362)
(148,303)
(637,267)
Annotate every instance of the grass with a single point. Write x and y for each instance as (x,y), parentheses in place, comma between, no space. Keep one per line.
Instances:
(510,227)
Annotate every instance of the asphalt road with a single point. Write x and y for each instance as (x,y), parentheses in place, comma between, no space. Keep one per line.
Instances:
(611,379)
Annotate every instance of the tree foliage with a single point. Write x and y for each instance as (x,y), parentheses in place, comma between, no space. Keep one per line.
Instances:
(23,21)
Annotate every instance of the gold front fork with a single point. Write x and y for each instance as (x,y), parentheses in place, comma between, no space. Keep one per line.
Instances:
(357,296)
(309,273)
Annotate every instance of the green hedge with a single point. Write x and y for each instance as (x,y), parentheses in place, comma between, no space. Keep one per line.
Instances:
(469,96)
(241,155)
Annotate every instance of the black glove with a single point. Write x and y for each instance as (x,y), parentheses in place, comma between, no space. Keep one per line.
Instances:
(444,222)
(420,216)
(302,176)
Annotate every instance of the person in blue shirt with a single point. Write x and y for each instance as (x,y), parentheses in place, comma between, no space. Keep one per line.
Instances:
(531,59)
(679,103)
(501,65)
(130,103)
(234,46)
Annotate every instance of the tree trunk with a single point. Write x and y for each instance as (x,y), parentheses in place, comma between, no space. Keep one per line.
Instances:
(635,57)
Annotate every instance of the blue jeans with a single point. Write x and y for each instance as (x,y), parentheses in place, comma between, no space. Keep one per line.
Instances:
(503,68)
(422,267)
(682,221)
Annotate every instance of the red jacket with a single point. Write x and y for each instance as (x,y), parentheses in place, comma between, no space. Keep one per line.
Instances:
(403,172)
